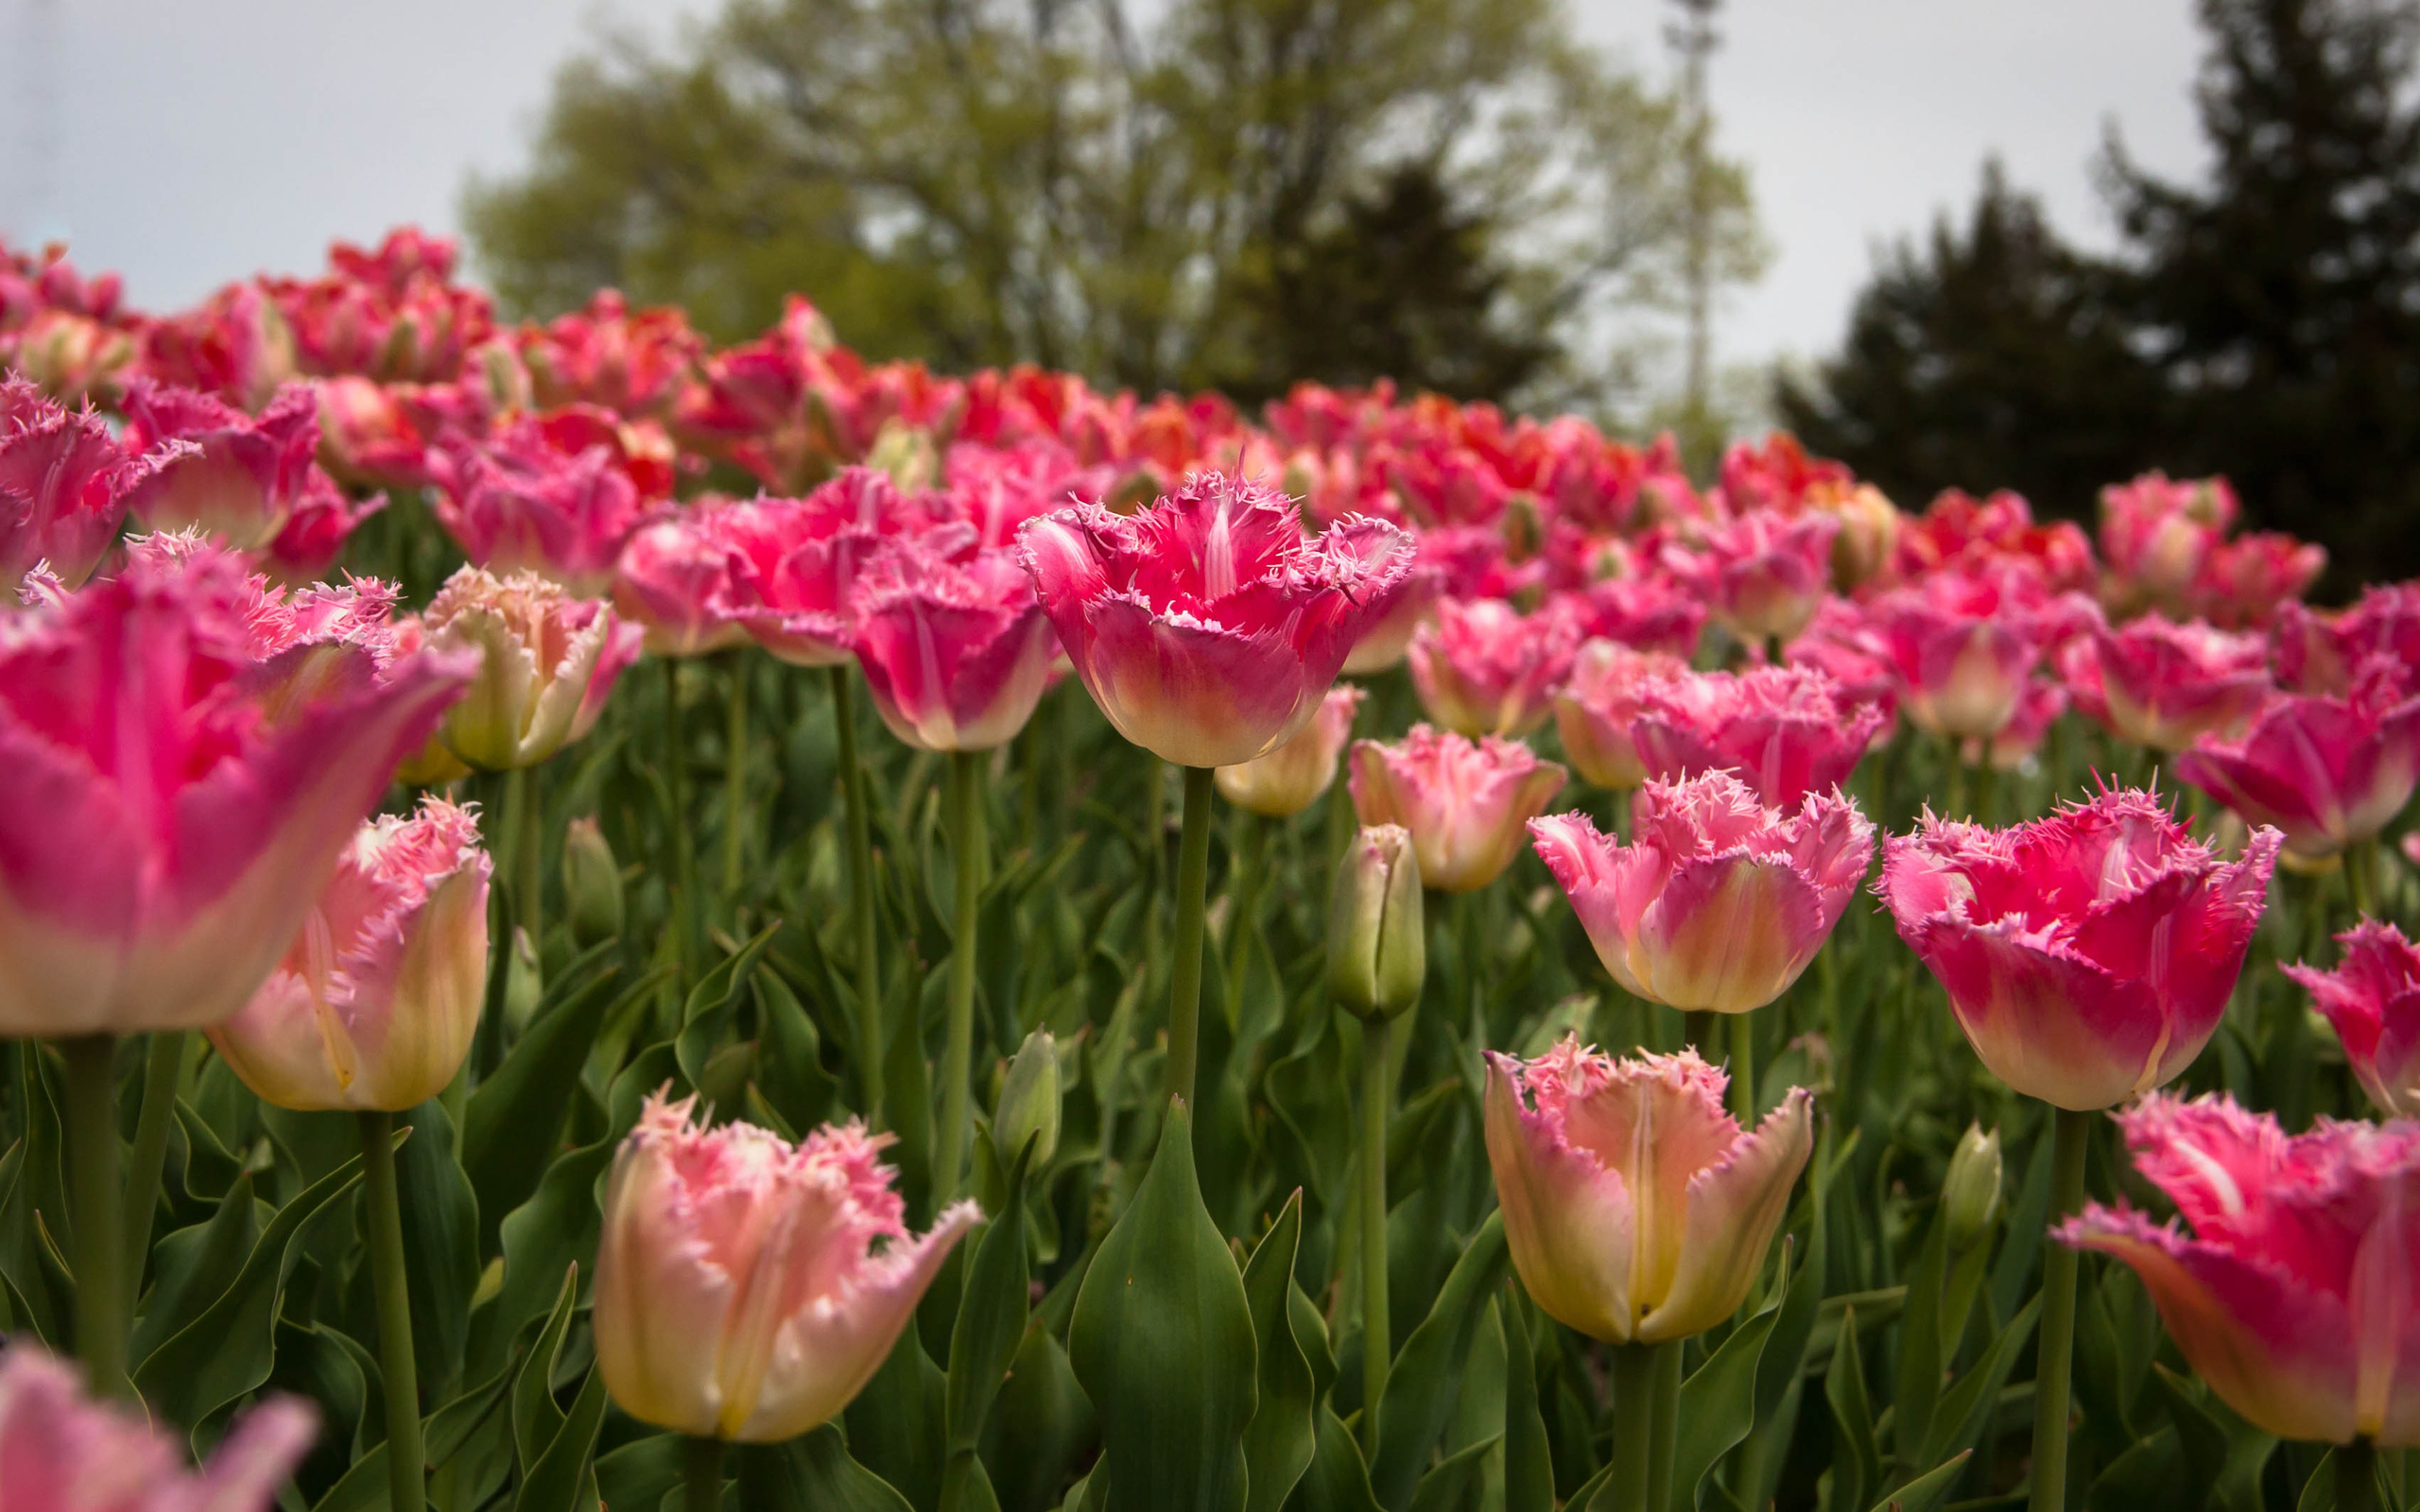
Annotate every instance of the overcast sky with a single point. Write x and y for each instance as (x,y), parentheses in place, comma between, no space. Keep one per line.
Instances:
(200,140)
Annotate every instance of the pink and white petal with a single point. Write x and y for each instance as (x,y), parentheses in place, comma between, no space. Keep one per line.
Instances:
(1729,932)
(2050,1025)
(1570,1219)
(1734,1206)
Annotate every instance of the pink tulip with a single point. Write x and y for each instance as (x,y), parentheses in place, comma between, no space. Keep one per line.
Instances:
(1960,647)
(313,536)
(1787,731)
(2330,772)
(1845,646)
(516,501)
(2166,685)
(1636,1209)
(740,1292)
(1762,574)
(1389,638)
(64,482)
(368,435)
(2294,1295)
(2250,578)
(1208,628)
(1720,901)
(1484,668)
(674,581)
(547,663)
(239,477)
(1648,613)
(797,561)
(62,1453)
(1594,712)
(955,652)
(2372,999)
(2087,955)
(2157,537)
(376,1001)
(1463,803)
(187,756)
(2318,652)
(1291,777)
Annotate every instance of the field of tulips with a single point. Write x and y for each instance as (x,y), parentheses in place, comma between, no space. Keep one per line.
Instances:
(593,919)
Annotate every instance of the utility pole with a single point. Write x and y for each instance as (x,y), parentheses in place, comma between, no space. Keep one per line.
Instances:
(1691,35)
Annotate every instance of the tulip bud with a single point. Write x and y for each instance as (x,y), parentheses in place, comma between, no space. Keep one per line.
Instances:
(1971,1194)
(1028,1106)
(593,882)
(1376,954)
(524,982)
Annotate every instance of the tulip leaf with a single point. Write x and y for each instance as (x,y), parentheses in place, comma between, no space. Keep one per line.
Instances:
(1719,1401)
(1163,1341)
(1455,1479)
(992,1313)
(2148,1474)
(812,1472)
(1528,1457)
(899,1417)
(229,1347)
(1039,1427)
(1928,1490)
(1282,1437)
(536,1418)
(1857,1459)
(1423,1383)
(642,1473)
(706,1018)
(789,1069)
(562,1478)
(1959,1422)
(441,1222)
(1920,1349)
(1337,1481)
(196,1265)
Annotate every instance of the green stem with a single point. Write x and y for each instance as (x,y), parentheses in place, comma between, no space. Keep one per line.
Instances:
(1250,850)
(859,856)
(1184,980)
(1699,1033)
(734,775)
(162,1068)
(1627,1486)
(1954,796)
(525,808)
(957,1056)
(1377,1323)
(1665,1425)
(2361,876)
(101,1310)
(407,1473)
(2058,1336)
(701,1474)
(2357,1476)
(685,852)
(957,1472)
(1743,1068)
(1986,788)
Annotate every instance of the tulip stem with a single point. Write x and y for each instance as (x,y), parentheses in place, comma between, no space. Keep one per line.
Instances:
(1665,1427)
(734,775)
(1698,1032)
(1377,1323)
(1643,1425)
(407,1473)
(524,808)
(1184,980)
(162,1068)
(958,1053)
(859,855)
(2058,1337)
(701,1474)
(2357,1475)
(2361,872)
(684,854)
(101,1303)
(1743,1068)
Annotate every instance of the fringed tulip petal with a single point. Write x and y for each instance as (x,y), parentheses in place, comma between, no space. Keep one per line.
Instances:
(1464,802)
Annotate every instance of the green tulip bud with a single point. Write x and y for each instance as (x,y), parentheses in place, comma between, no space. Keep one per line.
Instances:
(1971,1194)
(1028,1106)
(593,882)
(1377,952)
(524,988)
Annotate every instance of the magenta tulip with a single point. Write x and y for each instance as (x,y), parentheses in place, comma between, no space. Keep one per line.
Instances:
(2166,685)
(2330,772)
(1464,801)
(955,652)
(1786,731)
(1484,668)
(2372,999)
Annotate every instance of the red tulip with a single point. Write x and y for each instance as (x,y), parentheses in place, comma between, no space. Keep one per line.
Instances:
(2166,685)
(516,501)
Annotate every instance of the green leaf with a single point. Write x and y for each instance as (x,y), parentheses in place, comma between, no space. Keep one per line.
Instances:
(640,1473)
(1039,1428)
(1920,1349)
(1455,1479)
(440,1221)
(812,1472)
(1719,1402)
(1857,1459)
(196,1265)
(790,1069)
(1161,1339)
(1337,1480)
(992,1312)
(705,1020)
(1421,1386)
(1927,1491)
(560,1476)
(1529,1459)
(1959,1422)
(1279,1443)
(230,1346)
(896,1422)
(536,1420)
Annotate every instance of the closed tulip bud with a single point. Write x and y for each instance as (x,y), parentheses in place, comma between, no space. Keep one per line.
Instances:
(524,982)
(1377,954)
(746,1288)
(1971,1194)
(593,882)
(1028,1106)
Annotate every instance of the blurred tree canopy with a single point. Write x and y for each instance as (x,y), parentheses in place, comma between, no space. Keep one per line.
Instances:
(2264,323)
(1209,193)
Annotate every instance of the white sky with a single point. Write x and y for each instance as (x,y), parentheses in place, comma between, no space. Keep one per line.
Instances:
(199,140)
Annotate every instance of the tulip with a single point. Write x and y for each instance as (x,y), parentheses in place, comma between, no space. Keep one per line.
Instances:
(238,477)
(797,561)
(674,581)
(1635,1209)
(2330,772)
(548,662)
(1376,951)
(2166,685)
(1464,802)
(2087,955)
(1594,712)
(1028,1110)
(316,530)
(64,482)
(1291,777)
(2157,536)
(1970,1192)
(1762,575)
(1388,639)
(2293,1294)
(1787,731)
(956,653)
(592,882)
(1959,647)
(1719,902)
(368,435)
(1484,668)
(740,1295)
(62,1453)
(376,1002)
(1653,614)
(1208,628)
(1869,537)
(2250,578)
(517,503)
(2320,653)
(2038,708)
(2372,999)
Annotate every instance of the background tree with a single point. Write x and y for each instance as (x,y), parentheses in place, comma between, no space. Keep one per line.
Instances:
(987,181)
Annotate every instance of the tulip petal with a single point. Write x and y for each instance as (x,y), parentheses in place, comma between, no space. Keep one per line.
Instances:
(1735,1203)
(1568,1220)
